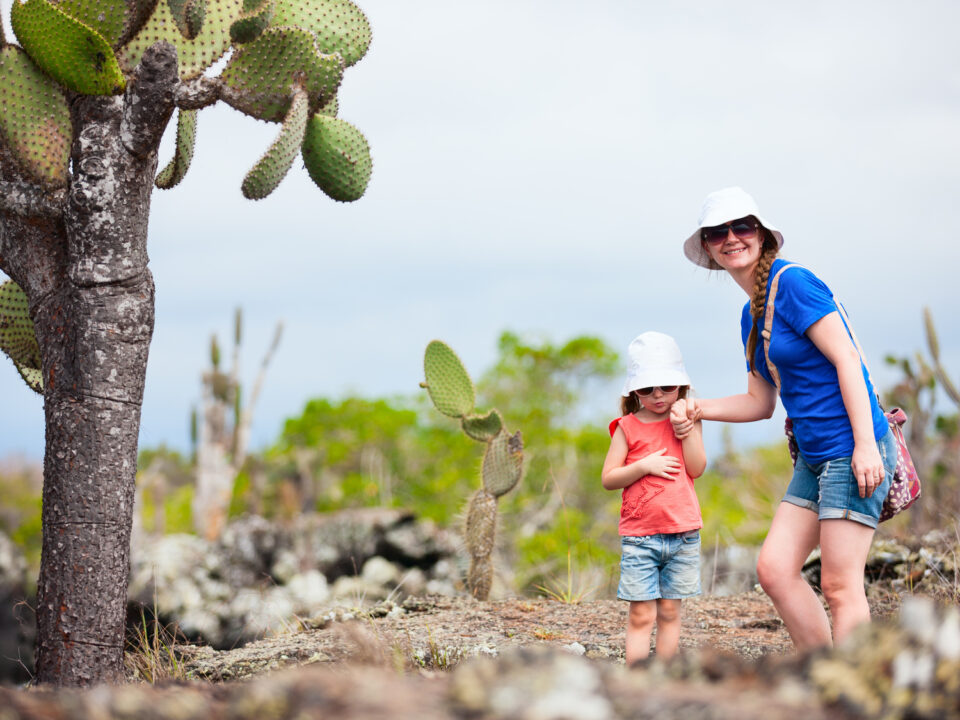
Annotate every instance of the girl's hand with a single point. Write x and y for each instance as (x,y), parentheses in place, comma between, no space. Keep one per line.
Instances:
(682,417)
(665,466)
(867,467)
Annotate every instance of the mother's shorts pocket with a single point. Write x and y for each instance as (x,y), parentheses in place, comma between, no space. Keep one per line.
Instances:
(691,537)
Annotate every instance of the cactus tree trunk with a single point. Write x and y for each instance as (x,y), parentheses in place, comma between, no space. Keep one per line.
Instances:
(83,264)
(94,333)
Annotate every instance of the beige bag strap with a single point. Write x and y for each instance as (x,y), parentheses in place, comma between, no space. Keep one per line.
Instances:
(768,329)
(768,324)
(853,336)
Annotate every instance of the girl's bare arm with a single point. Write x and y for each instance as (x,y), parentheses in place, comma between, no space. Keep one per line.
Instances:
(616,475)
(694,456)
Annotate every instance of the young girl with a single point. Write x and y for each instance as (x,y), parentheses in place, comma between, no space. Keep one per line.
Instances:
(659,515)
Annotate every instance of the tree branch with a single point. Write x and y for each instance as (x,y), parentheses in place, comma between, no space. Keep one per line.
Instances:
(25,200)
(198,93)
(149,100)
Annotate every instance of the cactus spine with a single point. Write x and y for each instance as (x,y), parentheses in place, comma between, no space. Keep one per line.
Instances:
(452,393)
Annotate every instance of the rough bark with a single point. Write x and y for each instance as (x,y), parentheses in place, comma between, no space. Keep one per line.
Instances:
(91,297)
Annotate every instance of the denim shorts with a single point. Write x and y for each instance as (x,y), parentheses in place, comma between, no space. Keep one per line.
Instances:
(660,566)
(830,488)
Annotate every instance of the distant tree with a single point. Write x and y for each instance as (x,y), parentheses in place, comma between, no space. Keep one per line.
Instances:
(221,431)
(84,100)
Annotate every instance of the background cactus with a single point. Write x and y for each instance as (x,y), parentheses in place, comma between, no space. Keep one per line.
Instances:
(452,393)
(85,98)
(933,342)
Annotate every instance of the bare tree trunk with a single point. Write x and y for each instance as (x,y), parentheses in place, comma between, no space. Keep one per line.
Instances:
(91,298)
(89,469)
(94,336)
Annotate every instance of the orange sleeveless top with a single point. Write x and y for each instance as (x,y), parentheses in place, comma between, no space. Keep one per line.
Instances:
(653,504)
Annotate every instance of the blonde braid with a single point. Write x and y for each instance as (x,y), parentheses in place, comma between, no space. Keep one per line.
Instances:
(759,299)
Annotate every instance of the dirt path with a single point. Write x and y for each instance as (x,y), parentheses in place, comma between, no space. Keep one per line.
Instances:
(438,632)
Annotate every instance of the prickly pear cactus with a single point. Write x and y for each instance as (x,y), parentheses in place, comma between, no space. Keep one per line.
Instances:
(17,338)
(279,46)
(186,138)
(447,381)
(271,168)
(34,118)
(256,17)
(74,54)
(452,393)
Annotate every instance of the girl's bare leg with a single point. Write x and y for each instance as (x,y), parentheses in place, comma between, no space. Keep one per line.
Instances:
(639,626)
(795,531)
(844,545)
(668,628)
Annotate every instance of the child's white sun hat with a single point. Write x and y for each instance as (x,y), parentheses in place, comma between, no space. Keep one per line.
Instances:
(654,359)
(719,208)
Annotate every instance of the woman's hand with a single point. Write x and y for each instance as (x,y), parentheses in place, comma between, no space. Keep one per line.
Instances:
(665,466)
(867,466)
(684,414)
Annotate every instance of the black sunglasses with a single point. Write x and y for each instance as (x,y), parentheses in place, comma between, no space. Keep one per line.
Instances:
(742,228)
(665,389)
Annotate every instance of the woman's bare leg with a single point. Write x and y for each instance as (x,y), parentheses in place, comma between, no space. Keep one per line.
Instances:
(639,626)
(795,531)
(844,545)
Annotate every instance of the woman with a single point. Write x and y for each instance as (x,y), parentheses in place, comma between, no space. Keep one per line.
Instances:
(847,452)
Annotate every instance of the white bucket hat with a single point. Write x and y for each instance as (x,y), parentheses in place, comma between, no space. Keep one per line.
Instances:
(654,359)
(719,208)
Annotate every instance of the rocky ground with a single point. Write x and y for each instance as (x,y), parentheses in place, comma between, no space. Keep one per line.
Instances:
(438,633)
(427,655)
(455,658)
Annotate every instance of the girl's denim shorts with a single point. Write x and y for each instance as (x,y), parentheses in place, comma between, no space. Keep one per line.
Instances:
(830,488)
(660,566)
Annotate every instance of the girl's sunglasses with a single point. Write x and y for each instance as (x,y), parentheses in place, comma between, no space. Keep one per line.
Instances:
(742,228)
(665,389)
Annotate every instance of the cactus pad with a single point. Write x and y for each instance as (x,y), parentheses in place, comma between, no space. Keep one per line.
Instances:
(340,26)
(260,77)
(34,118)
(481,524)
(448,383)
(337,157)
(17,337)
(257,15)
(72,53)
(107,17)
(482,427)
(503,463)
(479,534)
(480,577)
(271,168)
(331,108)
(186,138)
(193,56)
(188,15)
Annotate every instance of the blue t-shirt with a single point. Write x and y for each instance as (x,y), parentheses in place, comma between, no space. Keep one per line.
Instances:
(809,389)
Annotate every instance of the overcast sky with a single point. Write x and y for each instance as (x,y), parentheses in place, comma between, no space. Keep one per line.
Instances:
(537,165)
